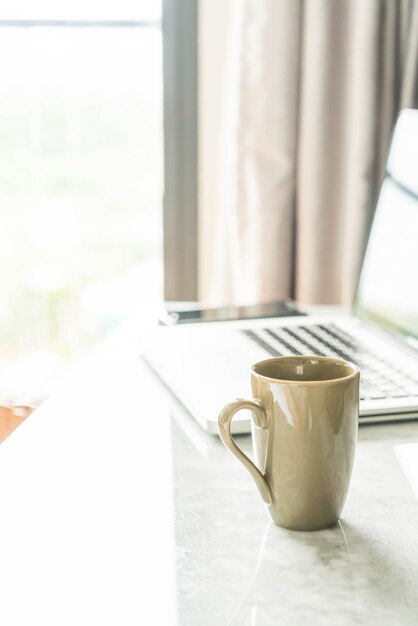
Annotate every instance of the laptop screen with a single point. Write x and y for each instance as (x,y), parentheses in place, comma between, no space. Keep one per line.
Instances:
(387,292)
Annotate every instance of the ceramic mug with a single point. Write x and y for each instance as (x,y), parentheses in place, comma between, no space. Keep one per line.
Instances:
(304,429)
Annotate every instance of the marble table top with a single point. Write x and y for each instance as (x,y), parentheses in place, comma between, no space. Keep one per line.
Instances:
(116,508)
(236,567)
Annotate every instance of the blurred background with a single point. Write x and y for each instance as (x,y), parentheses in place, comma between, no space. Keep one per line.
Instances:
(81,165)
(227,151)
(81,179)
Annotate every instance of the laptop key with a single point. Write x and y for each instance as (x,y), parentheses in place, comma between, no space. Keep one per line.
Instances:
(261,342)
(278,336)
(371,393)
(310,346)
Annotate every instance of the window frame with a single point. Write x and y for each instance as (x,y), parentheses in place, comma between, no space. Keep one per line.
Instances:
(179,25)
(180,206)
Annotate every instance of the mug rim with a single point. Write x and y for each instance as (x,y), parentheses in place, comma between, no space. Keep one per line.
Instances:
(306,358)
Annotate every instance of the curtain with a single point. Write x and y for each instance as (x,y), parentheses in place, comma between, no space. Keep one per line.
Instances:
(313,90)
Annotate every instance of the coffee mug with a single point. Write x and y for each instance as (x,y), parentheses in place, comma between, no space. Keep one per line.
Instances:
(304,430)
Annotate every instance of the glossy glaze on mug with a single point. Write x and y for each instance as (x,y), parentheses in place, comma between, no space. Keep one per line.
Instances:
(304,429)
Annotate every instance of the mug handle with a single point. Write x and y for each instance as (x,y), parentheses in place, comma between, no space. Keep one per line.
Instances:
(260,418)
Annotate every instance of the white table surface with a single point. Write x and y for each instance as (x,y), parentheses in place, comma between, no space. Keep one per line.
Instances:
(115,508)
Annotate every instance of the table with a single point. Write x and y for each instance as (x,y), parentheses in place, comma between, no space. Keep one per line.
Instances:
(115,509)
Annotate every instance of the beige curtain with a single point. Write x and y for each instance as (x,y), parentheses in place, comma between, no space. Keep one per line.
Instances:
(312,93)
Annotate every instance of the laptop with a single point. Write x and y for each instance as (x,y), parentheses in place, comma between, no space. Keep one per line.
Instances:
(206,365)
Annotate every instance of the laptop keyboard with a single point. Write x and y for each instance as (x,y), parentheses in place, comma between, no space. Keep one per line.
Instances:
(380,379)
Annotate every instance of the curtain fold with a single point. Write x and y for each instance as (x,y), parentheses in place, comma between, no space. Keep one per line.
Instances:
(313,91)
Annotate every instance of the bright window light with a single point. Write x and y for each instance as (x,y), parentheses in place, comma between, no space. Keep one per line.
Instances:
(80,10)
(80,171)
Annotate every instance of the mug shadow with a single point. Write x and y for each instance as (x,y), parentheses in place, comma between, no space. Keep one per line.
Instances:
(340,575)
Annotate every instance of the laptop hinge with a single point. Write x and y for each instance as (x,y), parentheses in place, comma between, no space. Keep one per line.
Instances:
(406,343)
(411,341)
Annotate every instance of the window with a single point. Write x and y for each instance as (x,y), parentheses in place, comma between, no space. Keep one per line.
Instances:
(81,169)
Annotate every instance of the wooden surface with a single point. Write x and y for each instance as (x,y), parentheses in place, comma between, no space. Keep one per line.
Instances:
(11,418)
